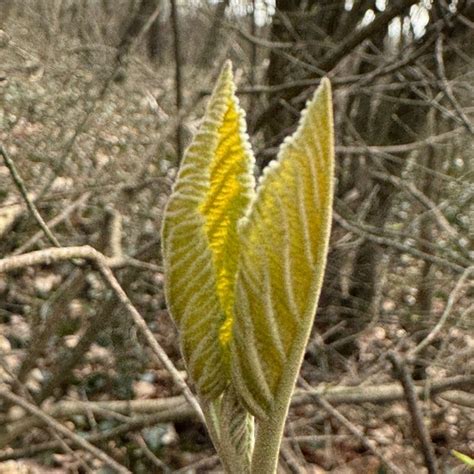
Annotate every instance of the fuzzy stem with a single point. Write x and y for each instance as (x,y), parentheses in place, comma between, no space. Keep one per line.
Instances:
(268,440)
(270,431)
(228,460)
(213,430)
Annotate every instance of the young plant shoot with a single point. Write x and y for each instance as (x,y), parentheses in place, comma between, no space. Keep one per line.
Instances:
(243,270)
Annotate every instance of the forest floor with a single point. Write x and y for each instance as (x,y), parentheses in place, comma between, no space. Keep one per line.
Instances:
(111,145)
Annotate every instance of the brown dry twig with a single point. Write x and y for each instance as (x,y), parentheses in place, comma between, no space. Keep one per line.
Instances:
(58,427)
(54,255)
(174,408)
(442,320)
(158,463)
(368,444)
(447,87)
(419,426)
(178,76)
(397,245)
(146,412)
(135,423)
(104,265)
(459,397)
(24,193)
(54,222)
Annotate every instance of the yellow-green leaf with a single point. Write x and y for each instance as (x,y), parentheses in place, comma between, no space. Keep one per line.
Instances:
(282,260)
(467,460)
(236,430)
(212,192)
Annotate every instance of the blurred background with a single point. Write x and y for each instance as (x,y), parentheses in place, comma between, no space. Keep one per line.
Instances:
(98,101)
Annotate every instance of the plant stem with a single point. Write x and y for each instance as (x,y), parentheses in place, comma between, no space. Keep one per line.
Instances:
(270,431)
(212,425)
(268,440)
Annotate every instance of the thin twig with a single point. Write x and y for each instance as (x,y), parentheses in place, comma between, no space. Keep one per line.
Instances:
(168,408)
(178,76)
(447,87)
(398,245)
(67,449)
(419,426)
(53,223)
(174,408)
(51,422)
(444,317)
(403,148)
(24,193)
(158,463)
(177,408)
(345,47)
(134,424)
(384,393)
(203,465)
(253,57)
(104,265)
(459,397)
(421,197)
(55,255)
(356,80)
(146,333)
(351,428)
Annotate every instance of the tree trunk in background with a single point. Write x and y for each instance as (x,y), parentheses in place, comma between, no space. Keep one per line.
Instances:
(388,124)
(373,123)
(279,70)
(178,77)
(369,119)
(321,24)
(300,21)
(154,40)
(145,9)
(5,8)
(207,56)
(253,58)
(425,288)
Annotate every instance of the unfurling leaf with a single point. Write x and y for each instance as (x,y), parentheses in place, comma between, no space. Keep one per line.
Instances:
(243,270)
(200,243)
(236,429)
(284,243)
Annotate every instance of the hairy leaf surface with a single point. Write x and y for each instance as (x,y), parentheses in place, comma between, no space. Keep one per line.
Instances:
(236,430)
(283,251)
(212,192)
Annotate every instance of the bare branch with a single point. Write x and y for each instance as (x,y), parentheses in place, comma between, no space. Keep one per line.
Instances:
(177,408)
(447,87)
(54,222)
(395,244)
(333,57)
(104,265)
(447,311)
(368,444)
(24,193)
(58,427)
(54,255)
(178,77)
(459,397)
(419,426)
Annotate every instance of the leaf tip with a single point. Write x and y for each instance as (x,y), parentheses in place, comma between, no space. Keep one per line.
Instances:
(323,92)
(227,65)
(325,84)
(226,75)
